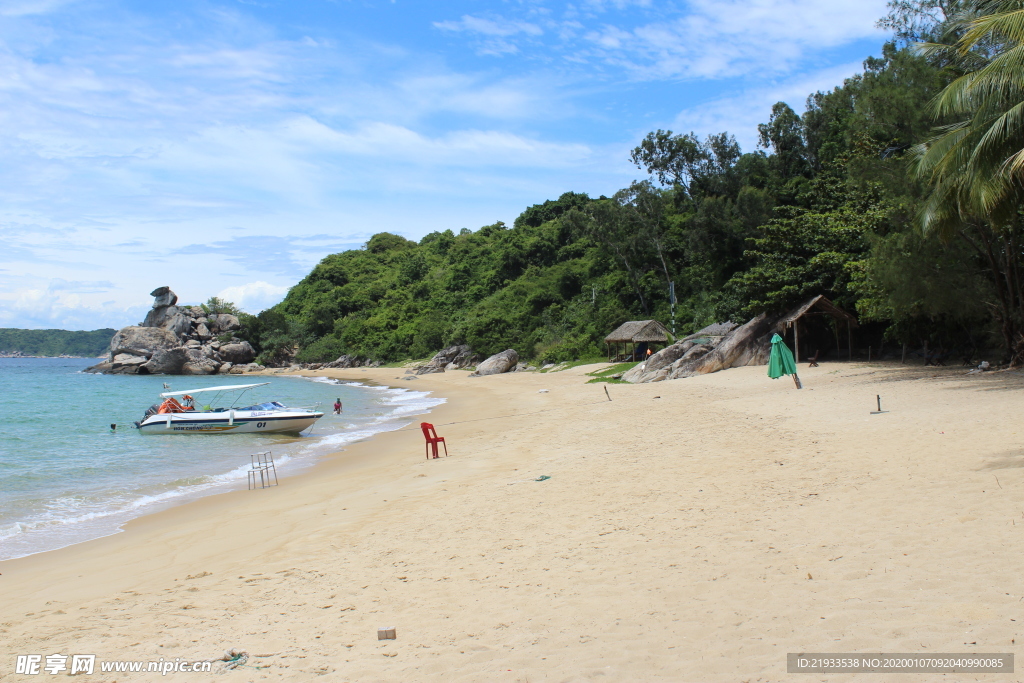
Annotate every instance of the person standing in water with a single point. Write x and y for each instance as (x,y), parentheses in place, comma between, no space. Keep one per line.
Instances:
(337,407)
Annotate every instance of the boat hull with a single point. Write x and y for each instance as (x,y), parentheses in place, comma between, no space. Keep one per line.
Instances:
(221,423)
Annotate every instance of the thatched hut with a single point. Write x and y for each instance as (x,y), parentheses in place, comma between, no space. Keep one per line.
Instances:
(638,335)
(810,314)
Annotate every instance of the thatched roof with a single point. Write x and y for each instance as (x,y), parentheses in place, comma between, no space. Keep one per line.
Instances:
(715,330)
(638,331)
(818,304)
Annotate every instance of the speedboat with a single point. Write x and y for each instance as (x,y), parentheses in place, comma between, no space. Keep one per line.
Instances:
(188,416)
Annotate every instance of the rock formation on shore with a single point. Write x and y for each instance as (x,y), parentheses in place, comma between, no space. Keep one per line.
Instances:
(455,357)
(178,340)
(748,344)
(506,361)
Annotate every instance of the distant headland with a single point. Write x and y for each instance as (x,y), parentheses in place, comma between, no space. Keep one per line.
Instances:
(18,343)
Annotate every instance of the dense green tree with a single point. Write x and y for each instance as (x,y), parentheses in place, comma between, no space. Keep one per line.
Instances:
(975,164)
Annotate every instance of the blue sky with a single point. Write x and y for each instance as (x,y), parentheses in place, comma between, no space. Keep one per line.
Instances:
(223,147)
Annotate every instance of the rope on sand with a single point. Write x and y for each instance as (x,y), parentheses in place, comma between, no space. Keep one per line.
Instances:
(232,658)
(497,417)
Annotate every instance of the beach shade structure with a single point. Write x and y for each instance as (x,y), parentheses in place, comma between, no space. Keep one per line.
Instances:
(631,334)
(781,361)
(430,434)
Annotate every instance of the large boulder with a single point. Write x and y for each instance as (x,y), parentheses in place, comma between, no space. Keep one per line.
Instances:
(163,307)
(344,361)
(163,296)
(662,359)
(158,317)
(126,364)
(451,358)
(165,362)
(242,369)
(141,341)
(238,354)
(224,322)
(196,363)
(749,344)
(103,368)
(179,325)
(498,363)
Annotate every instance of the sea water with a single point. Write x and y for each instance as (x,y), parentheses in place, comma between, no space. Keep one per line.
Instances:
(67,477)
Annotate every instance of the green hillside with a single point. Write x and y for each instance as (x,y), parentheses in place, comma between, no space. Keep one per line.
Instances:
(55,342)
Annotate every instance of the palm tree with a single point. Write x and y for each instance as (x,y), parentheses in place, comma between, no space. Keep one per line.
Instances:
(975,162)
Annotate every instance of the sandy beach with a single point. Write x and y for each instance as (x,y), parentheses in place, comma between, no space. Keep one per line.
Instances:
(690,530)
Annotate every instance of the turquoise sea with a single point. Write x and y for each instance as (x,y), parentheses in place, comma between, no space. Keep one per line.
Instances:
(66,477)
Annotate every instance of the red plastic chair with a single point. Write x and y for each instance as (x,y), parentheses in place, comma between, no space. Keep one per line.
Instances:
(432,439)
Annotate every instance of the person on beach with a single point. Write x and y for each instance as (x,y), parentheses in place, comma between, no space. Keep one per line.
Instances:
(337,407)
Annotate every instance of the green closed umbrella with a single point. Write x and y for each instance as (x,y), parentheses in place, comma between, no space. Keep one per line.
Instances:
(781,361)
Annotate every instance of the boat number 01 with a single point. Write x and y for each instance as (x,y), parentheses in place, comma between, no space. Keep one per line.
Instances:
(261,425)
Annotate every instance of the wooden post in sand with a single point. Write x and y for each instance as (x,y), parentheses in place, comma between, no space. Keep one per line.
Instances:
(796,342)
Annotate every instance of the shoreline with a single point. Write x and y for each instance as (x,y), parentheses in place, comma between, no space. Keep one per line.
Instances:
(378,409)
(351,456)
(689,529)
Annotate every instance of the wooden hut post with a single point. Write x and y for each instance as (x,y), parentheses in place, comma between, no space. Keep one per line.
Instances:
(796,339)
(849,338)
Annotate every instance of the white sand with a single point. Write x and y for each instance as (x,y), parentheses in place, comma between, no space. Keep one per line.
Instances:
(697,536)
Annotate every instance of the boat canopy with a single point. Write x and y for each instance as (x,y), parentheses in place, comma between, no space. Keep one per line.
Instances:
(226,387)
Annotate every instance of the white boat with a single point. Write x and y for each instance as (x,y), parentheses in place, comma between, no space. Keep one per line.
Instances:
(190,416)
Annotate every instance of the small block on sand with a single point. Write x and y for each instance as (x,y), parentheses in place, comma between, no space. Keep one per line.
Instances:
(386,633)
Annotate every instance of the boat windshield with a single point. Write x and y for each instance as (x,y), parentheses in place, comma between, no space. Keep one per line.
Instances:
(269,405)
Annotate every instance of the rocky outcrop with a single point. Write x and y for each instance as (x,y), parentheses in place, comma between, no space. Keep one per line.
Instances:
(452,358)
(749,344)
(344,361)
(659,360)
(163,307)
(242,369)
(198,363)
(224,322)
(240,353)
(141,341)
(176,340)
(497,364)
(165,362)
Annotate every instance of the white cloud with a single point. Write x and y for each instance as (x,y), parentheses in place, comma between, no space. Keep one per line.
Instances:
(20,8)
(65,305)
(466,148)
(493,35)
(488,27)
(253,297)
(702,39)
(719,38)
(740,112)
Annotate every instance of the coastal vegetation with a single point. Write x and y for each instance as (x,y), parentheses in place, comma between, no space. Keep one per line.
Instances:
(54,342)
(896,194)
